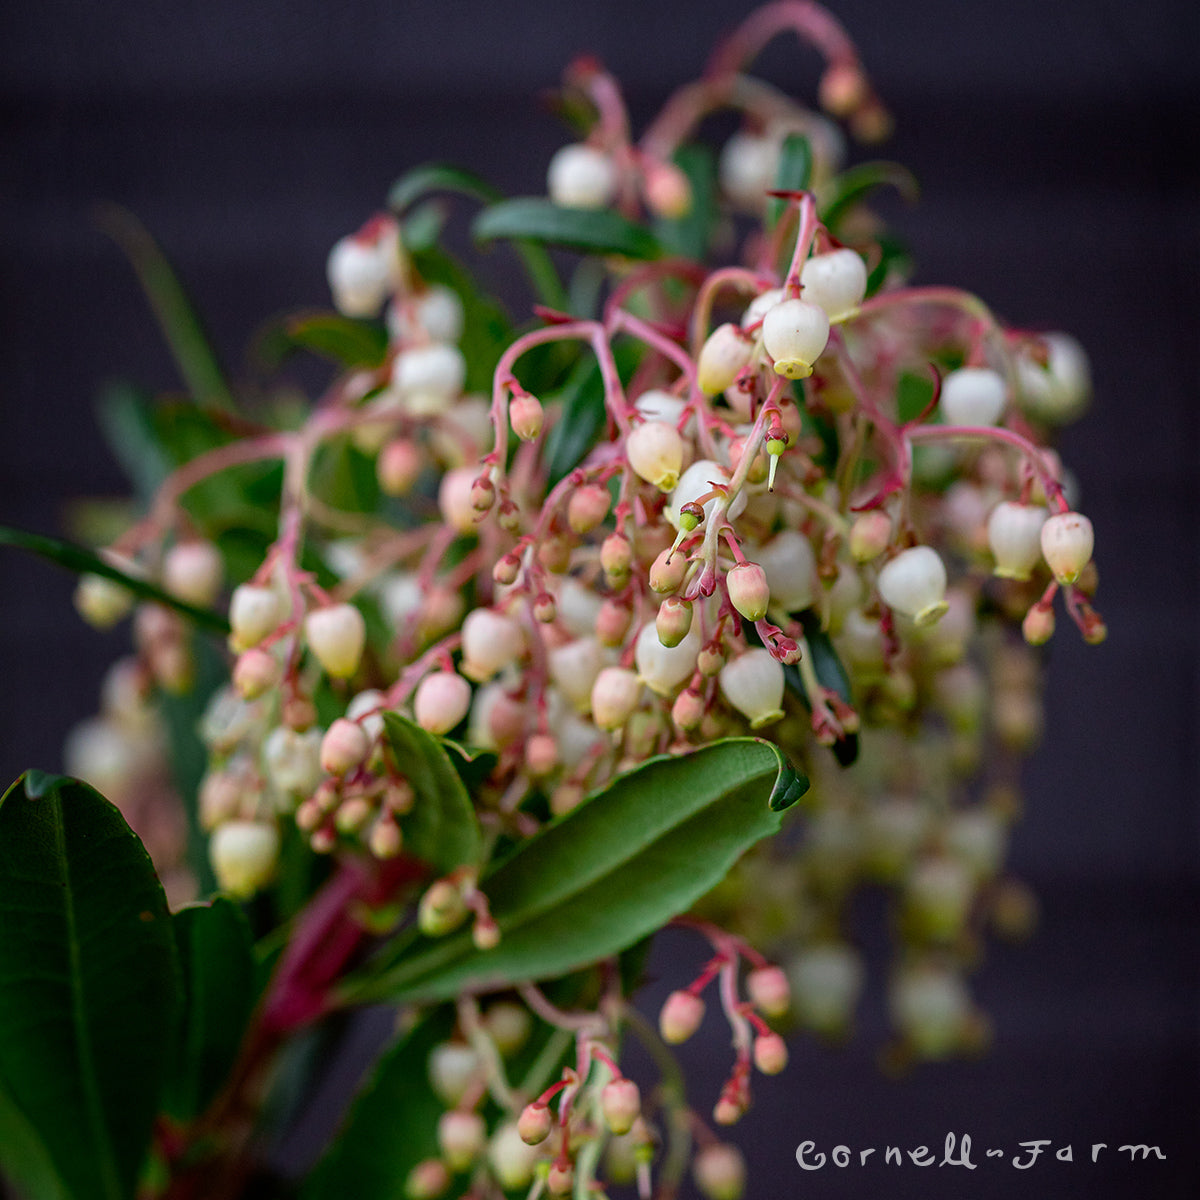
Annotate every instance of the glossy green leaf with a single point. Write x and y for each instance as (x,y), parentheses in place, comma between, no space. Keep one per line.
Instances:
(124,415)
(605,875)
(194,355)
(216,953)
(580,423)
(439,177)
(83,561)
(593,231)
(793,175)
(441,829)
(831,674)
(422,227)
(851,186)
(392,1124)
(89,991)
(342,340)
(689,236)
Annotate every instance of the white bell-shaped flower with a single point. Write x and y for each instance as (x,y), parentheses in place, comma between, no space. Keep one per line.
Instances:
(1059,391)
(1015,536)
(357,271)
(837,281)
(655,452)
(336,635)
(794,334)
(722,358)
(1067,543)
(663,668)
(243,856)
(760,306)
(581,176)
(490,642)
(747,169)
(753,683)
(574,667)
(973,396)
(791,568)
(428,379)
(914,584)
(292,760)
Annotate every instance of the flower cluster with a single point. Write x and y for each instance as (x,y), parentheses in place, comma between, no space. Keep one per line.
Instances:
(793,495)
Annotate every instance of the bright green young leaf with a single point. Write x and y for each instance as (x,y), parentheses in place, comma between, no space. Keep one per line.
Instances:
(392,1124)
(89,991)
(441,829)
(195,357)
(76,558)
(794,173)
(216,952)
(608,873)
(593,231)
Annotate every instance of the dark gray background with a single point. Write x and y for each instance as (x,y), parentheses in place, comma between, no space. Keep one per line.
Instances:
(1056,144)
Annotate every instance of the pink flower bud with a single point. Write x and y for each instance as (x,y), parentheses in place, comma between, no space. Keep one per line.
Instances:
(442,908)
(728,1111)
(427,1180)
(720,1172)
(770,1053)
(688,710)
(748,590)
(655,452)
(768,988)
(507,569)
(587,507)
(680,1017)
(616,559)
(255,672)
(442,700)
(1067,543)
(710,660)
(385,840)
(534,1124)
(193,571)
(667,190)
(612,622)
(483,493)
(343,747)
(544,608)
(667,572)
(1038,625)
(615,696)
(621,1104)
(455,499)
(541,754)
(673,621)
(560,1179)
(722,357)
(398,467)
(870,535)
(843,89)
(525,415)
(461,1137)
(336,635)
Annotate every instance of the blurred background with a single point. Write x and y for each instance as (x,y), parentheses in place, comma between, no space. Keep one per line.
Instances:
(1055,141)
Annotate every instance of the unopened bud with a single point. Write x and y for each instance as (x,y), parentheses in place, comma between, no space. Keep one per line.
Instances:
(554,553)
(254,612)
(621,1104)
(720,1172)
(534,1124)
(616,560)
(588,506)
(427,1180)
(483,493)
(442,909)
(770,1053)
(615,696)
(680,1017)
(842,89)
(243,856)
(193,571)
(768,988)
(667,572)
(255,672)
(336,635)
(722,357)
(673,621)
(1038,625)
(398,467)
(461,1137)
(612,622)
(870,535)
(541,754)
(1067,544)
(667,190)
(525,415)
(442,700)
(560,1178)
(507,569)
(688,710)
(655,452)
(728,1111)
(343,747)
(544,608)
(748,590)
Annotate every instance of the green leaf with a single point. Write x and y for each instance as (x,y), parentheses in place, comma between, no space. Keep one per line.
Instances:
(689,236)
(178,320)
(392,1124)
(580,423)
(441,829)
(89,991)
(124,415)
(216,952)
(605,875)
(794,174)
(831,674)
(844,192)
(342,340)
(76,558)
(439,177)
(592,231)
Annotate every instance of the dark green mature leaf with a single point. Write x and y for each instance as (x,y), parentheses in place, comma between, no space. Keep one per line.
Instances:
(124,415)
(216,952)
(582,419)
(89,991)
(794,173)
(392,1124)
(343,340)
(441,829)
(184,332)
(593,231)
(830,674)
(77,558)
(852,185)
(690,235)
(608,873)
(439,177)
